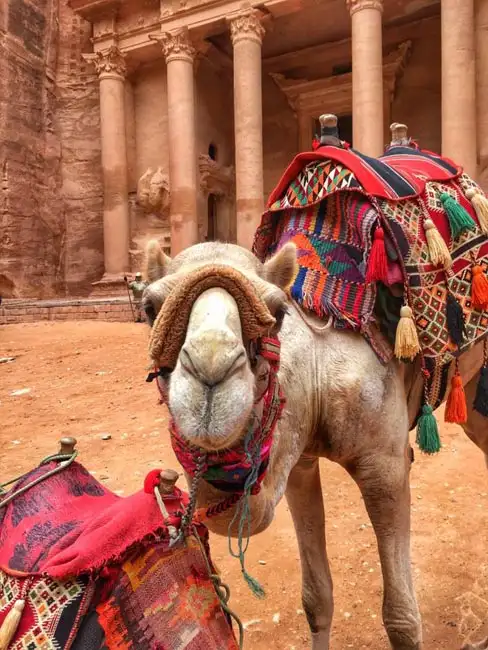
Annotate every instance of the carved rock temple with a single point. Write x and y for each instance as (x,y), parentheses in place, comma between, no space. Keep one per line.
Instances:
(124,120)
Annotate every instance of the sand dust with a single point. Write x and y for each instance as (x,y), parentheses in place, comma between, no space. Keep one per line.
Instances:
(86,379)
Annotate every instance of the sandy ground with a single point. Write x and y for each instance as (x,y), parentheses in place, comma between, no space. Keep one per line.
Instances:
(87,379)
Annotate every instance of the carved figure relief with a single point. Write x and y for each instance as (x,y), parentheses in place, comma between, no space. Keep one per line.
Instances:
(215,179)
(153,192)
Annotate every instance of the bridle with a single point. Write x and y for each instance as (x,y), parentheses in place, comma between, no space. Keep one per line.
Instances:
(233,469)
(239,471)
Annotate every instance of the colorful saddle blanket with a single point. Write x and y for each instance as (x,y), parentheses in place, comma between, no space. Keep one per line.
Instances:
(96,571)
(330,202)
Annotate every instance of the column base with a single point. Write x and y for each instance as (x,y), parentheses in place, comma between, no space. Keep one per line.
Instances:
(109,285)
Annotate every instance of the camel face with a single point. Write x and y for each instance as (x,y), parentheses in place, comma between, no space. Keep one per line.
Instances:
(211,390)
(213,386)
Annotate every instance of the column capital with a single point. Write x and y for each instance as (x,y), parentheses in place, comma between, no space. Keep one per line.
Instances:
(176,45)
(108,63)
(246,25)
(357,5)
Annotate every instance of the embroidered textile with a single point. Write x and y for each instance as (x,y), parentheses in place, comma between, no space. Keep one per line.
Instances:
(333,239)
(400,173)
(161,600)
(96,570)
(429,285)
(330,201)
(52,609)
(69,523)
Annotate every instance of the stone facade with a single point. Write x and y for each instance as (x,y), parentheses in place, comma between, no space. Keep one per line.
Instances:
(126,120)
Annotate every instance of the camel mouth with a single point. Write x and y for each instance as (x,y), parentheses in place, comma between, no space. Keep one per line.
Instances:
(212,418)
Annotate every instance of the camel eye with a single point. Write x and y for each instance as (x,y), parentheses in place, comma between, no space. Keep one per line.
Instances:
(280,315)
(150,311)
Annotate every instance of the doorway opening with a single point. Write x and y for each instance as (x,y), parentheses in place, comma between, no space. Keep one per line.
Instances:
(212,151)
(212,202)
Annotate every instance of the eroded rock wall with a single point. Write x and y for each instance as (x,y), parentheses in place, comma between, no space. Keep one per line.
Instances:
(78,122)
(50,189)
(31,227)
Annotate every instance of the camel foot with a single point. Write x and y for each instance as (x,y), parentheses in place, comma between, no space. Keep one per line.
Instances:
(482,645)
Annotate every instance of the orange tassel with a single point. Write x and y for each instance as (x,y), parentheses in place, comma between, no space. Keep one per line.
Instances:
(479,288)
(456,409)
(378,262)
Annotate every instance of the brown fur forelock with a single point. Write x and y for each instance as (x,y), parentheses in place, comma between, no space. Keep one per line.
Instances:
(169,331)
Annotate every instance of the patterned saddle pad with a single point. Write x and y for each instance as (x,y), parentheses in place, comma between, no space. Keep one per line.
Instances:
(95,570)
(330,201)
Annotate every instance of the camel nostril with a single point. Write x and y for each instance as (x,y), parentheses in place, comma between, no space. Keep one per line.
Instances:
(212,362)
(187,363)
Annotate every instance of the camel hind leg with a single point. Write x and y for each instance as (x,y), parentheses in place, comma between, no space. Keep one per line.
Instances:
(476,428)
(383,478)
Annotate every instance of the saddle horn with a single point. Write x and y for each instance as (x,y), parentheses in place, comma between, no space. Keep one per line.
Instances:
(399,135)
(329,132)
(67,446)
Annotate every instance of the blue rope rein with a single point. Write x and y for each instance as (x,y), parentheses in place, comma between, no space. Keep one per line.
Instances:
(243,510)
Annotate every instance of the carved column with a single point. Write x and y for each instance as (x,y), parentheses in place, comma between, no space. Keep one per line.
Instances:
(481,23)
(367,75)
(305,131)
(247,34)
(130,130)
(111,69)
(180,55)
(459,83)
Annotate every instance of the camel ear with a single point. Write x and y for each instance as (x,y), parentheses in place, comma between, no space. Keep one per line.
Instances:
(157,262)
(282,268)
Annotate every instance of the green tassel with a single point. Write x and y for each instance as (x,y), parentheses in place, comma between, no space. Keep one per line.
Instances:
(253,584)
(459,219)
(427,432)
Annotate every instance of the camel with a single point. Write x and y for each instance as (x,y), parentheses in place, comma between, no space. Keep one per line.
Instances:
(342,404)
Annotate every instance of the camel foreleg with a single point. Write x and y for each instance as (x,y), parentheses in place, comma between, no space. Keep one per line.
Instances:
(304,496)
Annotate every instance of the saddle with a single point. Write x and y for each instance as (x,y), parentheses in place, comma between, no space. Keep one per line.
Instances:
(393,247)
(82,567)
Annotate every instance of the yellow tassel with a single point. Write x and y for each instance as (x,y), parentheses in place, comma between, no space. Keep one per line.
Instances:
(438,250)
(10,624)
(480,204)
(407,344)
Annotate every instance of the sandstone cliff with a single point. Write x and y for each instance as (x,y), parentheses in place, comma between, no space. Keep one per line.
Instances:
(51,198)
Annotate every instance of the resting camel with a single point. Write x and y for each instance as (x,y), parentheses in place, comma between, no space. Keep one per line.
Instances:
(342,404)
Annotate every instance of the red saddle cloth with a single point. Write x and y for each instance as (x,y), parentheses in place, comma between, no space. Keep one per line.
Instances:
(96,571)
(401,173)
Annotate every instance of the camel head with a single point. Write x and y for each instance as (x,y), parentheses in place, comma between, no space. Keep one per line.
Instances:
(212,382)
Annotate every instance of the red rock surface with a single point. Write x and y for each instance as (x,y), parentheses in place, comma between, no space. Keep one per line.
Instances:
(50,191)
